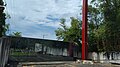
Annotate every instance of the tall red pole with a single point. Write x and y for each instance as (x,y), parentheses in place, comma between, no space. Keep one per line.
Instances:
(84,30)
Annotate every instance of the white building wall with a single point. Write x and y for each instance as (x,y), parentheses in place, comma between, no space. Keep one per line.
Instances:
(102,56)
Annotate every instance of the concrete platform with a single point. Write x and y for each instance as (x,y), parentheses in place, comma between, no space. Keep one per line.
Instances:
(43,63)
(64,64)
(116,62)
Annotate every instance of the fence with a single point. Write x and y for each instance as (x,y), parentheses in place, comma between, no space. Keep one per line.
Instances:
(4,50)
(21,44)
(30,49)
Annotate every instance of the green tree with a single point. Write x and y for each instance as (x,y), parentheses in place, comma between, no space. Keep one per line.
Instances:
(94,23)
(6,28)
(16,34)
(107,33)
(61,32)
(2,18)
(70,34)
(111,12)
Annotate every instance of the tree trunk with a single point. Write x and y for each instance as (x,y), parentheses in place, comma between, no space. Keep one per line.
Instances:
(98,57)
(108,55)
(112,56)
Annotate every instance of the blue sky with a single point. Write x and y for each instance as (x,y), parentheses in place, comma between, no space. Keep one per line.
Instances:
(35,18)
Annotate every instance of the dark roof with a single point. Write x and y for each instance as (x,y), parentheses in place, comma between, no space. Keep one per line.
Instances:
(35,39)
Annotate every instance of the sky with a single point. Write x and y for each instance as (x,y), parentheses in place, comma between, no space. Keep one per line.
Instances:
(35,18)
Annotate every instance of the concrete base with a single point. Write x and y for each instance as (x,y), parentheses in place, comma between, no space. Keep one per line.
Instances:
(116,62)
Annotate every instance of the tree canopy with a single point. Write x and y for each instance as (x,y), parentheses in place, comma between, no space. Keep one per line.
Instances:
(16,34)
(106,27)
(103,27)
(70,34)
(2,18)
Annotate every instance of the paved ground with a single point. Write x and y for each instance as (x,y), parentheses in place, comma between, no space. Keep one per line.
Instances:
(74,65)
(71,64)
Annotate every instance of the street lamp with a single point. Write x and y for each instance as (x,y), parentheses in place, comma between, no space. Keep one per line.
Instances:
(84,30)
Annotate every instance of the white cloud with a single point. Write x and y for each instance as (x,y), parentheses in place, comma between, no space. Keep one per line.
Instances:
(28,14)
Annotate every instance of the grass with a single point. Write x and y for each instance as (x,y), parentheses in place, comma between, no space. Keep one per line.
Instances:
(23,53)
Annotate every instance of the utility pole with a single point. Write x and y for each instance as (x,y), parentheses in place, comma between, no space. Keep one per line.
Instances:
(2,18)
(84,30)
(44,36)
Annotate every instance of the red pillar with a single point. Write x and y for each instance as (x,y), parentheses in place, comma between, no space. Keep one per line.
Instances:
(84,29)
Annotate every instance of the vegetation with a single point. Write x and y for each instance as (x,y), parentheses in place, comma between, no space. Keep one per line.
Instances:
(107,32)
(3,26)
(103,27)
(22,53)
(2,18)
(16,34)
(70,34)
